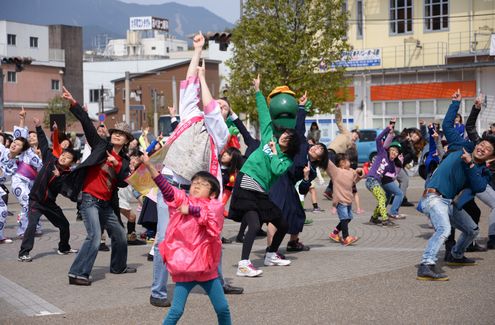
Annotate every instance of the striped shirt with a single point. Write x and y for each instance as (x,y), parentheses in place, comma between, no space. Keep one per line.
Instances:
(250,184)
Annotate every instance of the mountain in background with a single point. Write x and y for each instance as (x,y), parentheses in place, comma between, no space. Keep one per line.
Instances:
(110,17)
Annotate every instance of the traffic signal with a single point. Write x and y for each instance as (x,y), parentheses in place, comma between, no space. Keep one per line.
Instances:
(221,38)
(19,62)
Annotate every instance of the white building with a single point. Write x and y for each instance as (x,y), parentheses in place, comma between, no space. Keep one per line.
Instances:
(138,43)
(98,75)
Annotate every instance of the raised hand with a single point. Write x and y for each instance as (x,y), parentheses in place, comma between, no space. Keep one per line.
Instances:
(22,113)
(303,99)
(56,173)
(479,101)
(198,41)
(68,96)
(55,126)
(457,96)
(306,171)
(256,83)
(37,122)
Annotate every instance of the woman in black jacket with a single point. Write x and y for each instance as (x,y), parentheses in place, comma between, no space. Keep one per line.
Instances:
(97,178)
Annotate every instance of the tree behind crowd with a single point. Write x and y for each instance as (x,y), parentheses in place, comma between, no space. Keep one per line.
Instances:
(288,43)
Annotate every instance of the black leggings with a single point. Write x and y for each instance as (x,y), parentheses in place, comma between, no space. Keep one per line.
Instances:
(344,227)
(252,219)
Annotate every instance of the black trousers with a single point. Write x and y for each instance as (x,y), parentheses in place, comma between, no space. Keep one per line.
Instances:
(55,215)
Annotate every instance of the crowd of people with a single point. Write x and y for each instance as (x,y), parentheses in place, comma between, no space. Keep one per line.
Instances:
(202,169)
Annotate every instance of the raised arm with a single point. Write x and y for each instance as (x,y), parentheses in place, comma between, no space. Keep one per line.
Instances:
(453,137)
(246,136)
(214,122)
(21,130)
(339,120)
(264,117)
(92,136)
(42,141)
(198,43)
(473,134)
(57,149)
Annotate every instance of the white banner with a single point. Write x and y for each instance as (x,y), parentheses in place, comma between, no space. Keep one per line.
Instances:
(148,23)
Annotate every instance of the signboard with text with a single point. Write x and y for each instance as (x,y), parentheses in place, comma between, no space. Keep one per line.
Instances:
(356,58)
(148,23)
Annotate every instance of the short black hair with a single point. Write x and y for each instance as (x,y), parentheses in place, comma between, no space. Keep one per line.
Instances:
(72,152)
(356,131)
(491,140)
(25,143)
(212,180)
(341,157)
(294,143)
(323,161)
(30,132)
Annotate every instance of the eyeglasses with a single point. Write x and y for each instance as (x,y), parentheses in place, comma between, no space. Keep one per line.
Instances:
(200,183)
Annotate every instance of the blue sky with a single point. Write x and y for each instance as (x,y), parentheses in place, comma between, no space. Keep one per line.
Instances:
(227,9)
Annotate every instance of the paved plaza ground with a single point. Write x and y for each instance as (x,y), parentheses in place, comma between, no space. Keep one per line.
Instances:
(371,282)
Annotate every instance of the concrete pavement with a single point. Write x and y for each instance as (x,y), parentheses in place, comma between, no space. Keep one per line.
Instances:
(373,281)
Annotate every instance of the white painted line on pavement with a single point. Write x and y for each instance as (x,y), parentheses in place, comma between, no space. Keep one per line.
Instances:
(25,301)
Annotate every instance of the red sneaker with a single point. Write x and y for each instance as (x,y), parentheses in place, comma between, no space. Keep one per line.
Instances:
(349,240)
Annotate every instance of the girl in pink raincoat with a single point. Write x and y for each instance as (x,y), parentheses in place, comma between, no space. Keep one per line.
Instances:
(192,246)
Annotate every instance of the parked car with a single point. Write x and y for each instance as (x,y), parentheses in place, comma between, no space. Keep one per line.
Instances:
(366,146)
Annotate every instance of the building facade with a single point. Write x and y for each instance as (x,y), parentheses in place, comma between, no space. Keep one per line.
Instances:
(410,56)
(163,83)
(32,85)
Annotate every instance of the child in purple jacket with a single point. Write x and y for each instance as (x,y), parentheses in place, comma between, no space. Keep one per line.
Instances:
(382,165)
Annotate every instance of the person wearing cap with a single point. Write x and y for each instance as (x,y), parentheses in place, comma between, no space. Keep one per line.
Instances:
(43,195)
(461,174)
(392,189)
(488,196)
(97,178)
(382,165)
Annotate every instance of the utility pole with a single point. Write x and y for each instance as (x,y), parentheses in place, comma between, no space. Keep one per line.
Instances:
(102,98)
(155,114)
(127,108)
(174,94)
(1,97)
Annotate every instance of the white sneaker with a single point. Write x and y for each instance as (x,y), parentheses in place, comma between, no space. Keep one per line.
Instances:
(273,259)
(70,251)
(245,268)
(6,241)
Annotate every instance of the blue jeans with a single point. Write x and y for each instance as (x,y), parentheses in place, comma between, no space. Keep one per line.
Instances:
(160,272)
(92,211)
(393,189)
(469,231)
(215,292)
(438,209)
(344,211)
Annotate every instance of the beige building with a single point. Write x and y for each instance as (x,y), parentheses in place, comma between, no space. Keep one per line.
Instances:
(409,56)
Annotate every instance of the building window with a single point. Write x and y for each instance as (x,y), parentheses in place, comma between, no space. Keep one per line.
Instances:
(400,16)
(436,15)
(153,48)
(180,48)
(11,39)
(94,95)
(168,50)
(33,42)
(55,84)
(11,76)
(359,6)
